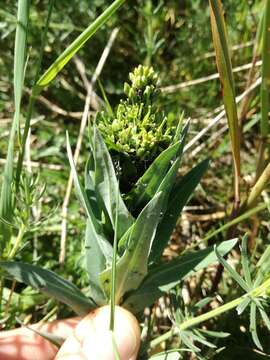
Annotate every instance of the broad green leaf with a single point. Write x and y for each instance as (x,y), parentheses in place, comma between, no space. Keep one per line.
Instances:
(179,196)
(265,85)
(227,82)
(147,186)
(162,278)
(106,184)
(77,44)
(98,251)
(95,263)
(6,198)
(165,187)
(50,284)
(132,267)
(95,225)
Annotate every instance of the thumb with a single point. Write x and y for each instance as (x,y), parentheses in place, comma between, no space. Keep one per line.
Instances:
(92,339)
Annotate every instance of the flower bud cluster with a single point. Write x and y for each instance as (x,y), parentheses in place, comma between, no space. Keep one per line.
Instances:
(138,127)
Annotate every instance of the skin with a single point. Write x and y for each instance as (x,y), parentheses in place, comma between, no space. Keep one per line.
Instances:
(87,338)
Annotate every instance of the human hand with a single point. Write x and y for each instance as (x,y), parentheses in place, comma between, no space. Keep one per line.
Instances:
(87,338)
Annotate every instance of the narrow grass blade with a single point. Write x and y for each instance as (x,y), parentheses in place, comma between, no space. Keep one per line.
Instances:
(52,338)
(242,307)
(77,44)
(178,198)
(265,85)
(33,94)
(6,198)
(162,278)
(226,77)
(232,272)
(265,318)
(50,284)
(245,261)
(132,266)
(262,267)
(253,326)
(113,273)
(235,221)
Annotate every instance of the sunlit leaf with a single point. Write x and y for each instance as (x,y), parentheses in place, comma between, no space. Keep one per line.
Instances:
(162,278)
(50,284)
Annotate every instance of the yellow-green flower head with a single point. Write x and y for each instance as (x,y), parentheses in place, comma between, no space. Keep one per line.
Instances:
(138,128)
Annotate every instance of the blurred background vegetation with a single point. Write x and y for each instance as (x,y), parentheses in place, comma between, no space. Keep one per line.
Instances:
(175,38)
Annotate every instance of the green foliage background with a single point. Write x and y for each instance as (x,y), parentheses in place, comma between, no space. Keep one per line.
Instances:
(175,38)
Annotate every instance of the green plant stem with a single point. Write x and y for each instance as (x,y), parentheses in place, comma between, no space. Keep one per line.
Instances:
(236,220)
(17,242)
(113,279)
(257,189)
(33,96)
(255,293)
(6,197)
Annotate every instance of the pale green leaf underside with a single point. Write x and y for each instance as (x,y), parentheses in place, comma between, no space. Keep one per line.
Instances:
(50,284)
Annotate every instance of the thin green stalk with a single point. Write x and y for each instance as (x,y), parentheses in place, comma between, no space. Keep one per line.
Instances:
(255,293)
(235,221)
(33,95)
(6,198)
(265,72)
(224,66)
(265,88)
(257,189)
(17,243)
(114,260)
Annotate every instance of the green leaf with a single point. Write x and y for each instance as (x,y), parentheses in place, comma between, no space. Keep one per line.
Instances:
(245,261)
(106,184)
(165,187)
(98,251)
(95,262)
(147,186)
(52,338)
(253,326)
(177,200)
(162,278)
(227,82)
(132,266)
(95,225)
(76,45)
(6,198)
(262,266)
(50,284)
(243,305)
(232,272)
(265,85)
